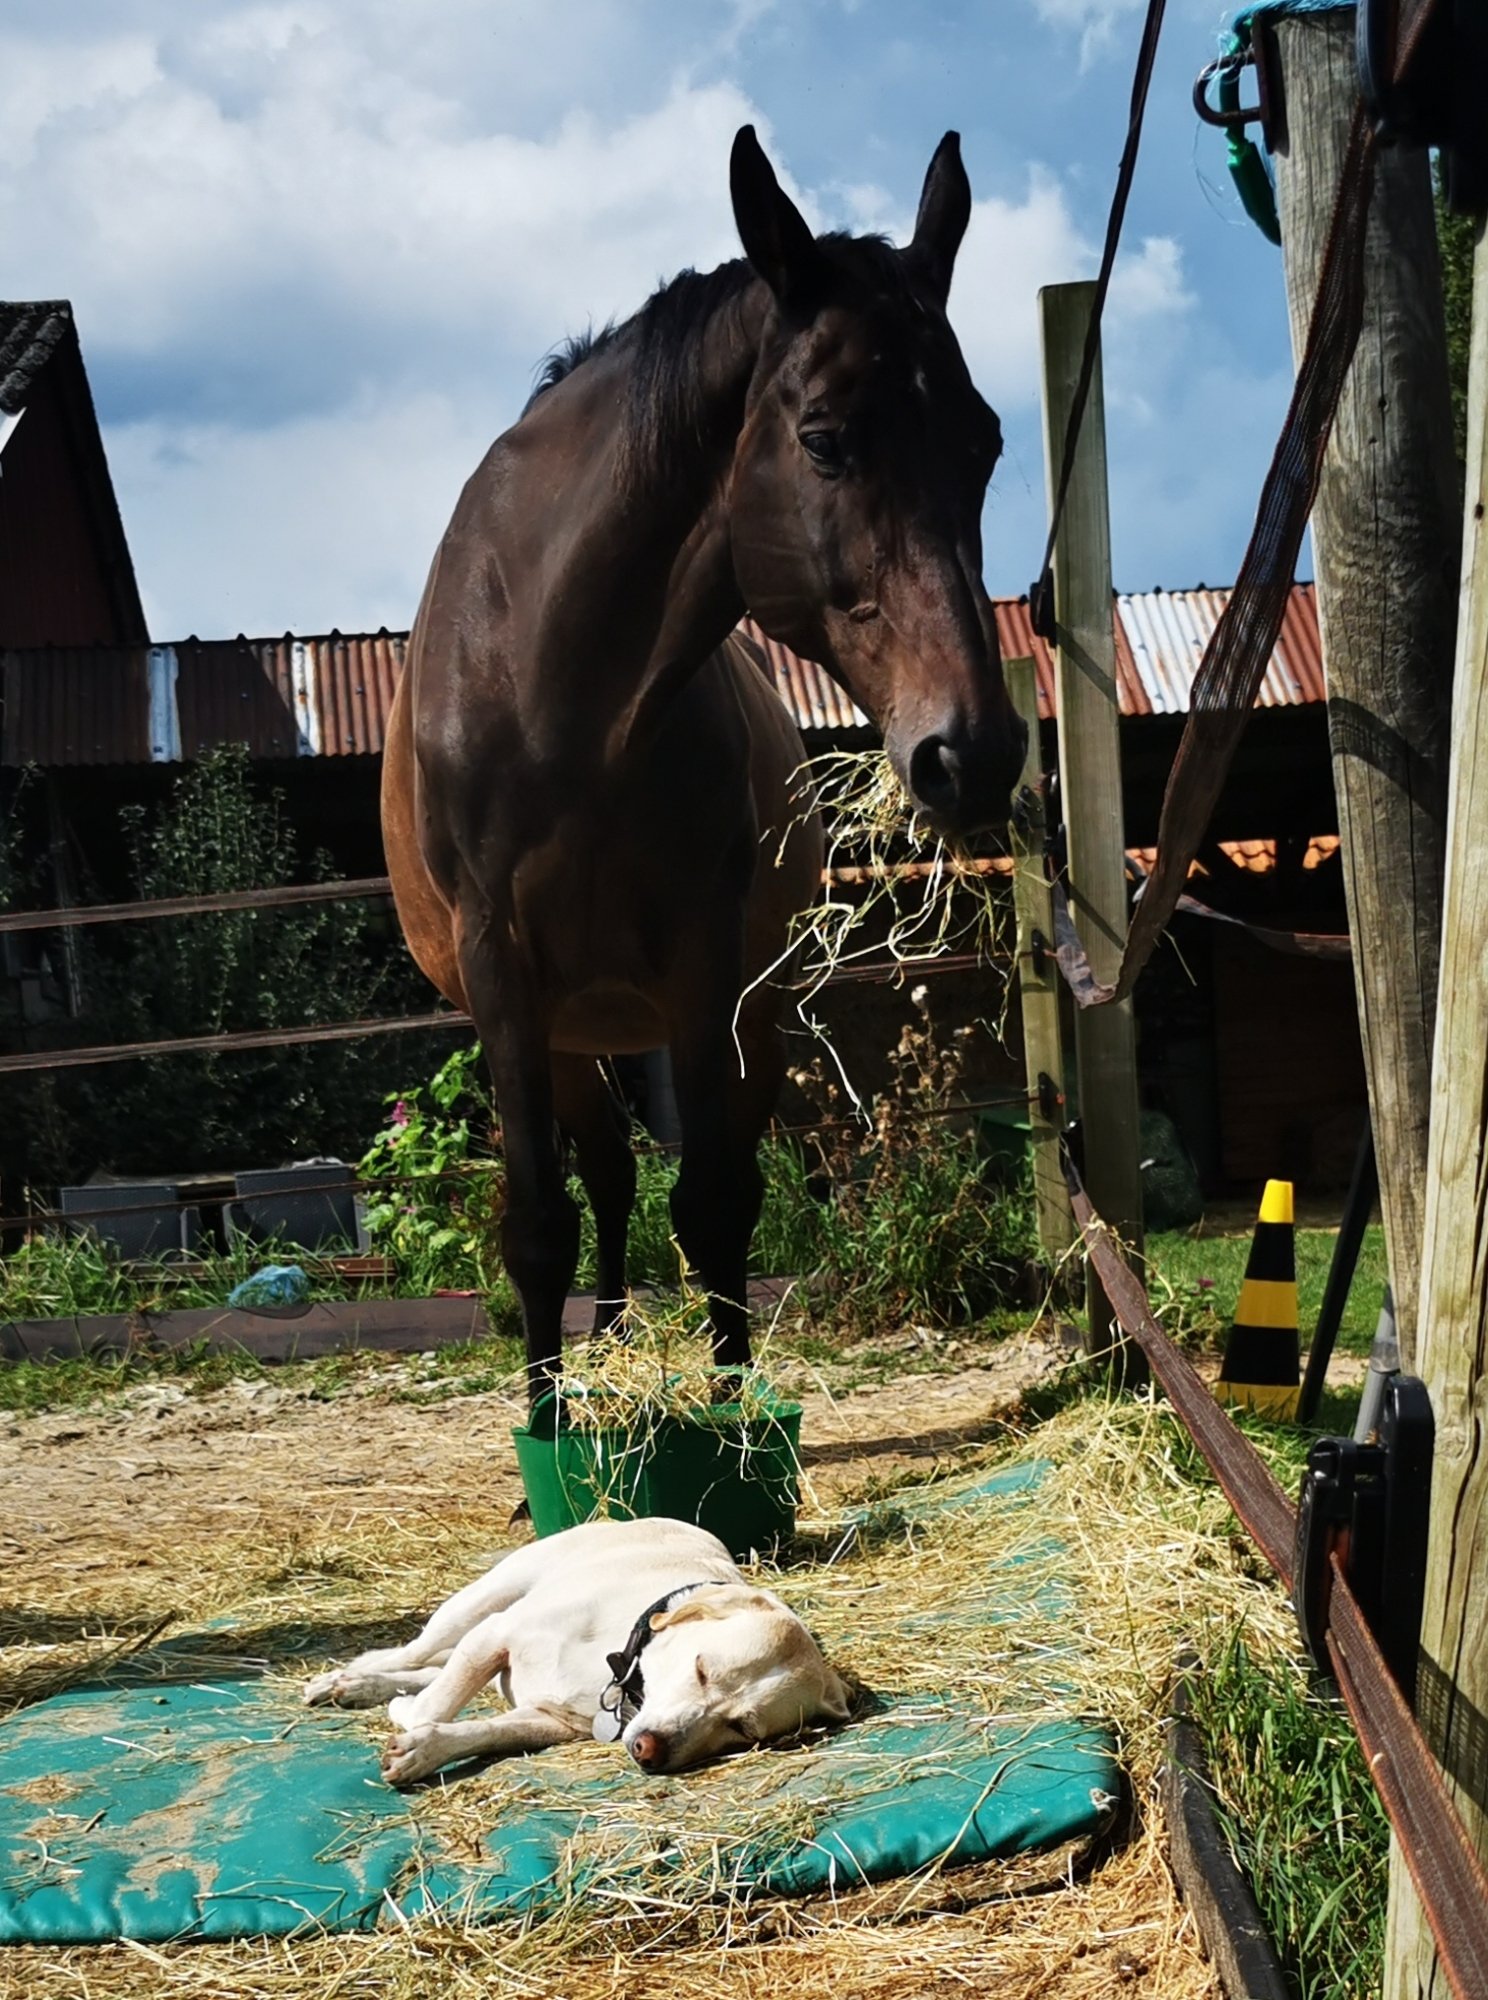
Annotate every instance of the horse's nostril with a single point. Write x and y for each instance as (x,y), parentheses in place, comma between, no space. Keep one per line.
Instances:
(935,774)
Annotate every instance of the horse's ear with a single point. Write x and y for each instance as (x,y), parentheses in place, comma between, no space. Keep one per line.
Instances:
(945,210)
(772,229)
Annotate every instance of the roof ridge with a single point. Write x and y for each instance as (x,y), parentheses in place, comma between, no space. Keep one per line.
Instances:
(30,333)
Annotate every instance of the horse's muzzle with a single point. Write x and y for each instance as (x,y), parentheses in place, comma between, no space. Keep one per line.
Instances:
(963,782)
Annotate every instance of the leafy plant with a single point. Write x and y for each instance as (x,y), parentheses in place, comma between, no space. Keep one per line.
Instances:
(914,1224)
(1455,235)
(1187,1309)
(892,1219)
(259,968)
(55,1277)
(441,1182)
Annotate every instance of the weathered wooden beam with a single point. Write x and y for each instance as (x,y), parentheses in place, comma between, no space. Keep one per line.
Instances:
(1452,1343)
(1386,538)
(330,1326)
(1090,792)
(1039,985)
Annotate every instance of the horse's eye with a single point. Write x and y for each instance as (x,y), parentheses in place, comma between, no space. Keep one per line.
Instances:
(824,448)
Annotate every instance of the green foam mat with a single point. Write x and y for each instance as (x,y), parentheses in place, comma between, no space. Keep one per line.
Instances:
(191,1798)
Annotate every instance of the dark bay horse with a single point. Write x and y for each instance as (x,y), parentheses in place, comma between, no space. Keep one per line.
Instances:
(583,765)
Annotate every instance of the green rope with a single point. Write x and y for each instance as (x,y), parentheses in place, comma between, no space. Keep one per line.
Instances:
(1249,168)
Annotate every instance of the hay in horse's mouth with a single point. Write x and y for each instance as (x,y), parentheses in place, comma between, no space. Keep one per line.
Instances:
(922,901)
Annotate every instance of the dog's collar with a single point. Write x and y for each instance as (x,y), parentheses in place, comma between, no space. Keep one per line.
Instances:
(627,1688)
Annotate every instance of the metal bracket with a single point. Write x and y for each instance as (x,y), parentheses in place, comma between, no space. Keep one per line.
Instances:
(1050,1097)
(1041,609)
(1027,812)
(1228,113)
(1370,1503)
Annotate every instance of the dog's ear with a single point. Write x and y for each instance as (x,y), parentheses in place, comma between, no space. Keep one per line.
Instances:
(836,1703)
(721,1602)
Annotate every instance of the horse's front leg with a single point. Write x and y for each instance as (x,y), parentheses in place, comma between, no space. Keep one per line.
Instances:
(719,1189)
(540,1225)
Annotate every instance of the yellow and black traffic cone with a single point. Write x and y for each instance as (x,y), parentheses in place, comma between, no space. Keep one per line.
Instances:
(1262,1358)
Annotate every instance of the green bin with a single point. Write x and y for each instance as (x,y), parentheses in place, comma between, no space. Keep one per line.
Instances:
(733,1474)
(1004,1133)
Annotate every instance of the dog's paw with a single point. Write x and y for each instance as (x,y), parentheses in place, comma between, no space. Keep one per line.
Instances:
(348,1688)
(412,1754)
(403,1711)
(324,1687)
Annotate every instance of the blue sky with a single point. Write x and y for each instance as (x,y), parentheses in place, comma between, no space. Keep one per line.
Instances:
(316,250)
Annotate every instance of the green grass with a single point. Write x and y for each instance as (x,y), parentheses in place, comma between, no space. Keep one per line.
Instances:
(1179,1260)
(55,1277)
(1302,1818)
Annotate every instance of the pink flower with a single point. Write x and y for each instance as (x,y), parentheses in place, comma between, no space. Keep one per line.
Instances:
(400,1113)
(1205,1284)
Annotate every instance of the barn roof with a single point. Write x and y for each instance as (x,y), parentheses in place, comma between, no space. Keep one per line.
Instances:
(329,696)
(43,382)
(29,336)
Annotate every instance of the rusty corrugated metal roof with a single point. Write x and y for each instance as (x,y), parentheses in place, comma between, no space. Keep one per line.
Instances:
(808,690)
(76,705)
(233,691)
(355,676)
(1250,857)
(330,695)
(1018,640)
(1169,629)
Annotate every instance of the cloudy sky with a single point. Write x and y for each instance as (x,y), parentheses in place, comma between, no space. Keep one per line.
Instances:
(316,250)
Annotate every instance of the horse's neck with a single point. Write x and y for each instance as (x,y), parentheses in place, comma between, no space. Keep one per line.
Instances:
(690,562)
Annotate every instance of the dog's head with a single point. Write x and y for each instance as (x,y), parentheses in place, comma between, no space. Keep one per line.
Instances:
(729,1667)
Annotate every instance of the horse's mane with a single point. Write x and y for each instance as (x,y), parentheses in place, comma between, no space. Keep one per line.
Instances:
(665,412)
(569,354)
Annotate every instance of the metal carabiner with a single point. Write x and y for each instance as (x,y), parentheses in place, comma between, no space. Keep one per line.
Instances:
(1229,113)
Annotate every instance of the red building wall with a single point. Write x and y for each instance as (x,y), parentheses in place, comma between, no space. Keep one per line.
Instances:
(54,589)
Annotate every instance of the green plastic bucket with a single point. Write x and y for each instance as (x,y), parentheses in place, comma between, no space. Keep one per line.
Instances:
(732,1474)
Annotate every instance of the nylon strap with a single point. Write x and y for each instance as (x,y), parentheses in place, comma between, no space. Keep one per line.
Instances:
(1241,645)
(1449,1877)
(1239,648)
(1041,595)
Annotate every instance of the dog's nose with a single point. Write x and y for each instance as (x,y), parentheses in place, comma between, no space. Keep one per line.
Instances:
(649,1750)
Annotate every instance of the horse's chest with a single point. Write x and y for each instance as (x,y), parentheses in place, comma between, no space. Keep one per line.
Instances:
(608,906)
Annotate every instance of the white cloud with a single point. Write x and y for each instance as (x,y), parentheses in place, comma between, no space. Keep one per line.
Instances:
(339,226)
(320,521)
(316,253)
(1094,21)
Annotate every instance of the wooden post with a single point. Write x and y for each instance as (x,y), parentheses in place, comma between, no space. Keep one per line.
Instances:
(1090,792)
(1038,984)
(1386,539)
(1452,1348)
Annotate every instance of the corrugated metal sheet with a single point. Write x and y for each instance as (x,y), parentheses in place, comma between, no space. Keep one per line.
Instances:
(1018,641)
(77,705)
(808,690)
(354,680)
(330,696)
(236,691)
(124,705)
(1169,629)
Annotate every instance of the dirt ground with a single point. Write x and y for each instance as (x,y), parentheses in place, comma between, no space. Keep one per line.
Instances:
(168,1506)
(105,1502)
